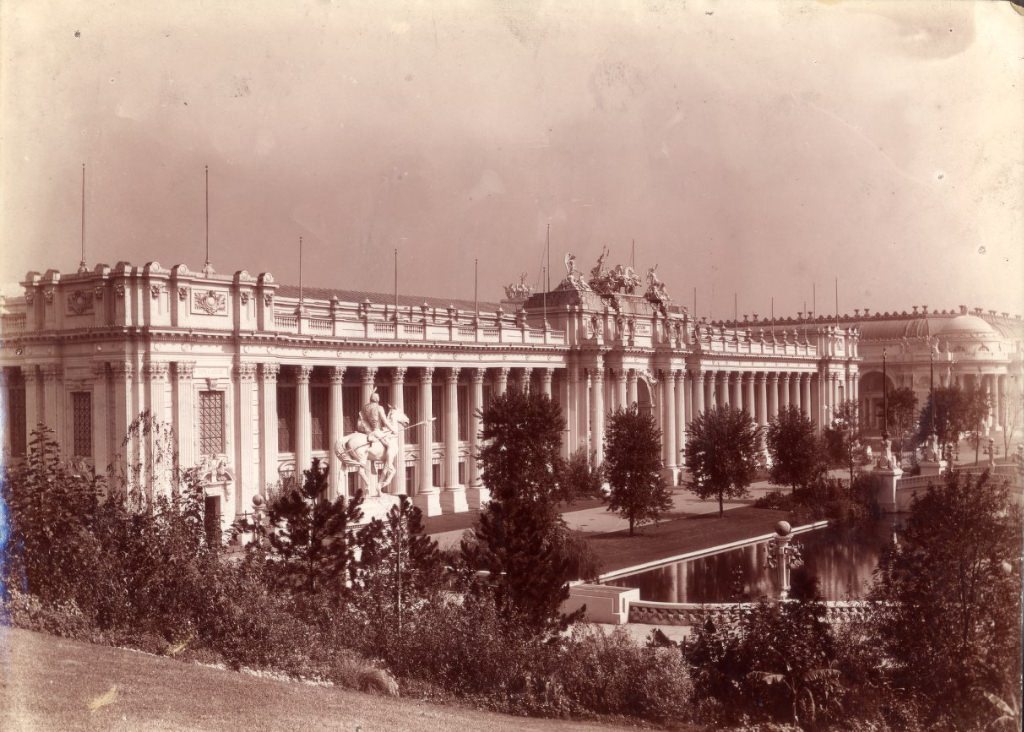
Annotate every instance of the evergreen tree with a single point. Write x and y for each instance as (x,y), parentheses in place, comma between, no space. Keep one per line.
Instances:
(794,447)
(632,465)
(521,541)
(722,450)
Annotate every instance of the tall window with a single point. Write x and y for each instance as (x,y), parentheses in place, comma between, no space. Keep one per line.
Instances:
(412,410)
(286,418)
(211,423)
(319,399)
(81,423)
(16,410)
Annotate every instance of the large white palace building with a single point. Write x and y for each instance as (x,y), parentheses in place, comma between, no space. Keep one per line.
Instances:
(258,378)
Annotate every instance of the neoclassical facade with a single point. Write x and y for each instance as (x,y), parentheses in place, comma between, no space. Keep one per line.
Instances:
(257,378)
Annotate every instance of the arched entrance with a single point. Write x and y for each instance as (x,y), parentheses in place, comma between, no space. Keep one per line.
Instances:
(644,403)
(871,397)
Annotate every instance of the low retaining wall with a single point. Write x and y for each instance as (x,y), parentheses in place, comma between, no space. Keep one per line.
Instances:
(691,614)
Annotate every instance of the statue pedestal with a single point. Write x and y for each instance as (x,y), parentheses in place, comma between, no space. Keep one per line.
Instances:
(932,467)
(378,506)
(477,498)
(888,480)
(453,500)
(429,502)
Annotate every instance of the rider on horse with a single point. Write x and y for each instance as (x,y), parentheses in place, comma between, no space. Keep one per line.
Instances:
(372,420)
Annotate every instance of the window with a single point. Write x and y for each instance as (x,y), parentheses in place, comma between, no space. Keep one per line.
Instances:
(286,419)
(462,472)
(462,394)
(354,483)
(211,519)
(410,479)
(350,400)
(211,423)
(435,474)
(16,410)
(319,401)
(81,423)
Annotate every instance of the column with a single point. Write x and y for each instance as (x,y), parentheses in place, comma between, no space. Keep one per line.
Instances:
(794,390)
(124,373)
(398,486)
(246,480)
(33,414)
(748,395)
(683,414)
(735,396)
(336,431)
(993,400)
(303,422)
(710,399)
(268,373)
(453,499)
(501,382)
(631,395)
(476,494)
(783,390)
(427,498)
(524,380)
(545,381)
(53,415)
(574,410)
(805,394)
(100,419)
(597,412)
(697,393)
(999,399)
(668,426)
(367,384)
(160,470)
(620,389)
(722,389)
(773,396)
(761,398)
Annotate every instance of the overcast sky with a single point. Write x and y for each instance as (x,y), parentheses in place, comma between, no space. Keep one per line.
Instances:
(747,147)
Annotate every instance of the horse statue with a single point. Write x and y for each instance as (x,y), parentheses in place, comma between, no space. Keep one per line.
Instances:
(355,449)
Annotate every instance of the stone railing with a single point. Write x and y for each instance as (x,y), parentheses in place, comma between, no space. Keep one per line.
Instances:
(693,614)
(13,323)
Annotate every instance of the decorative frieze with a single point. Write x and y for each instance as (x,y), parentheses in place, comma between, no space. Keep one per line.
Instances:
(48,295)
(209,302)
(182,294)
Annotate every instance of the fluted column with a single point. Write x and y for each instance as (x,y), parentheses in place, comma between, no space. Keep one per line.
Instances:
(525,377)
(124,375)
(668,424)
(247,482)
(631,389)
(597,412)
(303,422)
(156,387)
(682,414)
(501,381)
(794,390)
(476,395)
(336,430)
(805,394)
(33,414)
(773,395)
(735,396)
(761,398)
(268,373)
(748,394)
(620,390)
(367,384)
(100,433)
(784,379)
(546,375)
(697,392)
(53,387)
(427,497)
(453,499)
(721,390)
(999,400)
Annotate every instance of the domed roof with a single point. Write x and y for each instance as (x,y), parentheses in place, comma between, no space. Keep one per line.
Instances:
(967,325)
(898,328)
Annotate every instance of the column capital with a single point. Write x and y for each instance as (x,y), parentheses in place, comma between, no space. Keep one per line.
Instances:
(369,375)
(503,372)
(336,374)
(122,368)
(451,375)
(302,374)
(398,374)
(245,372)
(99,369)
(546,373)
(747,377)
(155,371)
(269,372)
(597,375)
(631,374)
(29,374)
(477,375)
(773,377)
(427,375)
(759,377)
(52,372)
(784,376)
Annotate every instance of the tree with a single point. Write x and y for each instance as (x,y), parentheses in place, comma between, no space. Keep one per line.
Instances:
(580,477)
(900,418)
(520,540)
(794,448)
(951,592)
(308,536)
(977,405)
(946,412)
(722,451)
(842,437)
(632,465)
(1013,410)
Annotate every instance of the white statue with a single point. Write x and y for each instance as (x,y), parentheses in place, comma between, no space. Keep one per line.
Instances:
(379,444)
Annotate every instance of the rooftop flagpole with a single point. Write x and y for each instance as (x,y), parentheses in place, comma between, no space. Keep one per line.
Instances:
(207,268)
(82,267)
(300,274)
(396,291)
(476,290)
(547,278)
(837,303)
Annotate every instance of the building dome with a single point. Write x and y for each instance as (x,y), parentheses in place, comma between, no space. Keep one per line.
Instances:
(967,325)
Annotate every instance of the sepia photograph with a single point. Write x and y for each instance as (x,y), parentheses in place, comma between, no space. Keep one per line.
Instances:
(515,365)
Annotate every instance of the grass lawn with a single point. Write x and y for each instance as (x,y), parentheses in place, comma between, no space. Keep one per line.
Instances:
(49,683)
(456,521)
(680,535)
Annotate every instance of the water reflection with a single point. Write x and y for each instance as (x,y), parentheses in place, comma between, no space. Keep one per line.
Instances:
(842,560)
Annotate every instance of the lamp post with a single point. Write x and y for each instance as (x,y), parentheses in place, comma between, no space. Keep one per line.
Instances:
(885,401)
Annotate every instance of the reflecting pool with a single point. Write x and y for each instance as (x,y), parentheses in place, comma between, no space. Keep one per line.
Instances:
(841,559)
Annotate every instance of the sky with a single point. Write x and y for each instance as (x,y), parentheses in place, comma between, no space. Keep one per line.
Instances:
(750,149)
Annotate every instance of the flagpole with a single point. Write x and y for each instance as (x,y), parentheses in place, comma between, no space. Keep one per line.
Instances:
(206,267)
(82,267)
(476,289)
(396,291)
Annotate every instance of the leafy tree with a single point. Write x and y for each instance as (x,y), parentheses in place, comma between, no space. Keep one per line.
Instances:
(1013,410)
(977,405)
(842,437)
(580,477)
(794,448)
(307,536)
(520,540)
(947,409)
(951,592)
(722,451)
(400,568)
(900,418)
(632,465)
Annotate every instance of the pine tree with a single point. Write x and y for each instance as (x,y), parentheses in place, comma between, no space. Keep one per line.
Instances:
(722,449)
(632,466)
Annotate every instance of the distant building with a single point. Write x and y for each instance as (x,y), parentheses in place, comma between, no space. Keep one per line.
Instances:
(256,383)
